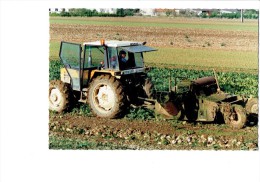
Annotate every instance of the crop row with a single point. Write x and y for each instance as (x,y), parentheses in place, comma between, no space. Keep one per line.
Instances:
(231,82)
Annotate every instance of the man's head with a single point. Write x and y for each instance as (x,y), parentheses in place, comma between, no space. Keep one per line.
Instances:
(122,53)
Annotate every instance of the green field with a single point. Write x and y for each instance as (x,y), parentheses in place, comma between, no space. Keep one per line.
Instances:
(192,58)
(235,26)
(219,59)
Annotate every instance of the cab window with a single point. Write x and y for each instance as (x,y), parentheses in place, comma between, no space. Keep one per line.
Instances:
(134,60)
(96,54)
(139,60)
(112,58)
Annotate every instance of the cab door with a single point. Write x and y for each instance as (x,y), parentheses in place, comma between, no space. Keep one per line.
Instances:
(70,55)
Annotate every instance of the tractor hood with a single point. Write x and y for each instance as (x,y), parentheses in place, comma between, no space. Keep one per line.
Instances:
(139,48)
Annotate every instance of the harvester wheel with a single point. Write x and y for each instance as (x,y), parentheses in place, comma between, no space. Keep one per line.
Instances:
(106,97)
(191,108)
(59,96)
(252,106)
(236,118)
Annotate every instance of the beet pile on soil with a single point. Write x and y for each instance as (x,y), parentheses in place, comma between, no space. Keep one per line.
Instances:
(78,132)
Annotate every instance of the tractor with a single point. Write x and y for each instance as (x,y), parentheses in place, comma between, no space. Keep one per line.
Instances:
(94,74)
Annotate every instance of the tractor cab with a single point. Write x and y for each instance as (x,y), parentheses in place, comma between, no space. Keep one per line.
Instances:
(107,54)
(82,63)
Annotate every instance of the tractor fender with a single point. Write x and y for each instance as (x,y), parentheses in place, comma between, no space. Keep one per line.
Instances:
(96,73)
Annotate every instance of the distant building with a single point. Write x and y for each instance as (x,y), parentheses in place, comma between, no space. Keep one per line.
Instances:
(163,12)
(106,10)
(147,12)
(228,11)
(205,11)
(160,12)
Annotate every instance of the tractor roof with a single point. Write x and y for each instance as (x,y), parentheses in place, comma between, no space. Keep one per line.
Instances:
(129,46)
(114,43)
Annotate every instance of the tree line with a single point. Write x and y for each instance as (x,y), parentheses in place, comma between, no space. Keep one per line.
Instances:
(248,14)
(120,12)
(89,12)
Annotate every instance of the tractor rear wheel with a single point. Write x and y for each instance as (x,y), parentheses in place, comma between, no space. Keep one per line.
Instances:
(106,97)
(59,96)
(236,118)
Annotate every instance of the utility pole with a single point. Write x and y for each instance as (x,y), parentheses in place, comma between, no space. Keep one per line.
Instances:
(242,18)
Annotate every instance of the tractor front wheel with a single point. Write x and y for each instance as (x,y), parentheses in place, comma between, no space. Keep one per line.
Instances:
(106,97)
(236,118)
(59,96)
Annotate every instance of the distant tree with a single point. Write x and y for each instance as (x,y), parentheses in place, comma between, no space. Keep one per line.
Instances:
(72,12)
(168,12)
(120,12)
(251,14)
(82,12)
(203,15)
(136,10)
(54,14)
(214,14)
(64,13)
(127,12)
(94,12)
(182,12)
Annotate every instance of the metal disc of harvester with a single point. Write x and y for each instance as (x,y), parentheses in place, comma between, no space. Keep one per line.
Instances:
(171,108)
(168,111)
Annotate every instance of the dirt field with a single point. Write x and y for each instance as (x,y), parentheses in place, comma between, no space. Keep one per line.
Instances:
(159,36)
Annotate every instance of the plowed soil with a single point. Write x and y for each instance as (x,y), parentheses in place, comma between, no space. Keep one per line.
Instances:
(158,36)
